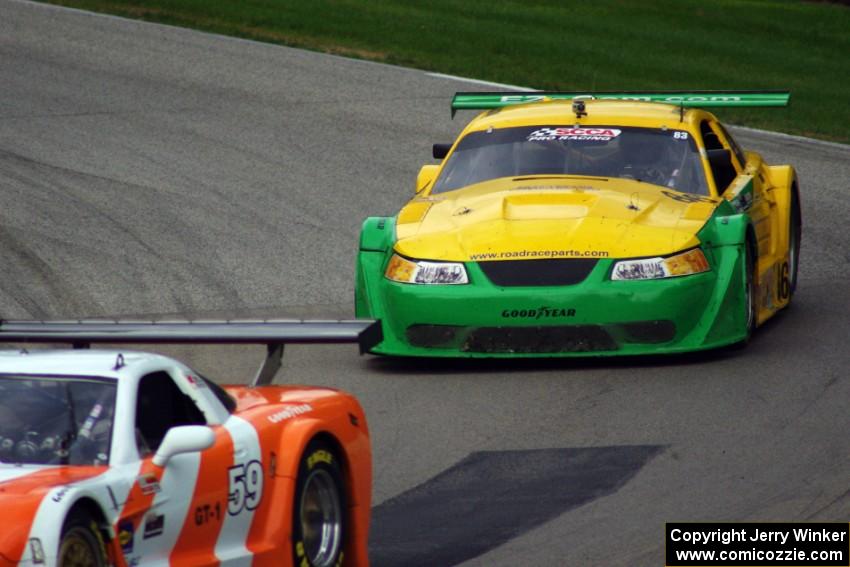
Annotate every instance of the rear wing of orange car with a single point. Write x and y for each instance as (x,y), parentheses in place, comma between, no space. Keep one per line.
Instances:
(273,334)
(685,99)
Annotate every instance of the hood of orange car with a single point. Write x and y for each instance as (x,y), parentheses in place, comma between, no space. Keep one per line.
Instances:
(546,216)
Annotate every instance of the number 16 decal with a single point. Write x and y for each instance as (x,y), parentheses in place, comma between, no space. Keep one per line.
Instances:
(784,287)
(245,490)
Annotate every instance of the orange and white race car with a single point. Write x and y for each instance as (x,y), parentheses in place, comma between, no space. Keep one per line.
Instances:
(114,457)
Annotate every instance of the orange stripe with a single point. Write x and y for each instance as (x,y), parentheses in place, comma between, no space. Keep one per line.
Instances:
(138,503)
(196,544)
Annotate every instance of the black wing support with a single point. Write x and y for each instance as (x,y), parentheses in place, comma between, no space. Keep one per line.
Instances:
(272,333)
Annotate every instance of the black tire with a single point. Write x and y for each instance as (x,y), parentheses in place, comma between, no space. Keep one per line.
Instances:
(794,237)
(81,544)
(319,522)
(750,298)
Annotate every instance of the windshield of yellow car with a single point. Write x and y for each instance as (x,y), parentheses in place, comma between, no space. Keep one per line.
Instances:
(664,157)
(56,420)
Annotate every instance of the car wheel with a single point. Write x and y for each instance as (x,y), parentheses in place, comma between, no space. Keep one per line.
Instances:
(794,233)
(81,544)
(319,511)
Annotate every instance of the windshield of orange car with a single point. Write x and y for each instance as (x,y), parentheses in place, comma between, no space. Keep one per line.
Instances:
(56,420)
(668,158)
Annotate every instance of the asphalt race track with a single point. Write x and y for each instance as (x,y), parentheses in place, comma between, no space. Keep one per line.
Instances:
(153,171)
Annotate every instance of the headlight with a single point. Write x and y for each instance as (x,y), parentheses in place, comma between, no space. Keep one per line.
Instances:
(420,272)
(691,262)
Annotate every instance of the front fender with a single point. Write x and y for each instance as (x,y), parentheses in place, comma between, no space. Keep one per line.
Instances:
(55,507)
(725,230)
(724,237)
(377,234)
(348,432)
(376,243)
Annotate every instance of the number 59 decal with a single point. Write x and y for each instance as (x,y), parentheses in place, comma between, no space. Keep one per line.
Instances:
(245,487)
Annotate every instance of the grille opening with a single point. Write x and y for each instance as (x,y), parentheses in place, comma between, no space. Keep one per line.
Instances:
(573,338)
(540,339)
(650,332)
(433,336)
(547,272)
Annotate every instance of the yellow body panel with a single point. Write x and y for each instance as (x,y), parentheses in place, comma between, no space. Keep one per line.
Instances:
(574,216)
(550,216)
(562,215)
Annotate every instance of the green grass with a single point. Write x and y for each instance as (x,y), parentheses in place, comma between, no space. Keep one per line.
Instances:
(551,44)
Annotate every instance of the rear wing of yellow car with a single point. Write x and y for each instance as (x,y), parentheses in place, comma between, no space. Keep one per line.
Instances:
(273,334)
(685,99)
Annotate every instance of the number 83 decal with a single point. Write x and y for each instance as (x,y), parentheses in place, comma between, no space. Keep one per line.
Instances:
(245,487)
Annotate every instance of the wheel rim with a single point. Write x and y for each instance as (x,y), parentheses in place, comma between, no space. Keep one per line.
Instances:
(321,519)
(77,550)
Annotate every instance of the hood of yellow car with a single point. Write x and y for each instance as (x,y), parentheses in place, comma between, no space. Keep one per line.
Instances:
(551,217)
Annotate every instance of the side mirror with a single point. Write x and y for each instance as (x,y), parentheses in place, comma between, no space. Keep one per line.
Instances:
(439,151)
(426,177)
(183,439)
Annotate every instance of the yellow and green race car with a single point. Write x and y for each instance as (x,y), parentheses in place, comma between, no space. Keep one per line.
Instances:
(575,224)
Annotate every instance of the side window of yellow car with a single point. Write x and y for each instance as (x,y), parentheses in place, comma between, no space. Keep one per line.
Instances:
(733,145)
(746,194)
(724,168)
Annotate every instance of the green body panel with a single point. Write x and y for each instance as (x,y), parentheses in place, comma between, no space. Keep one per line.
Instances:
(376,240)
(687,99)
(377,234)
(708,309)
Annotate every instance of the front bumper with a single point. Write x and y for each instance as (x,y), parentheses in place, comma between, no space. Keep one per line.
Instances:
(597,317)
